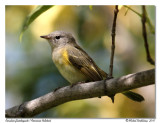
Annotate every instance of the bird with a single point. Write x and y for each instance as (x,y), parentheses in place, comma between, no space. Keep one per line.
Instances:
(74,64)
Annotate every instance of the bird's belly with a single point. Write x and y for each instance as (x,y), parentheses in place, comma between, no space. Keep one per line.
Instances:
(70,73)
(67,70)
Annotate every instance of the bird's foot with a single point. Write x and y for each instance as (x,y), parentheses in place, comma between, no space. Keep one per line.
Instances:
(110,77)
(57,89)
(77,83)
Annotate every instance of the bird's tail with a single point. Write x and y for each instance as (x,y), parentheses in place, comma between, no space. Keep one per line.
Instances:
(133,96)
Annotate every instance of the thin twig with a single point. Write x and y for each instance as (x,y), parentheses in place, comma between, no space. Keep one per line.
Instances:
(133,10)
(151,27)
(113,40)
(149,59)
(82,91)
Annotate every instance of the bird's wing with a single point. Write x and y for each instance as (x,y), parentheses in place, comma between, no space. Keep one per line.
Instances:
(85,64)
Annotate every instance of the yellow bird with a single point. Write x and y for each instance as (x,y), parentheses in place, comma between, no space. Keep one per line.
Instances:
(75,64)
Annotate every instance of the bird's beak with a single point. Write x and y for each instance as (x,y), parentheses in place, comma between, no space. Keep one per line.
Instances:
(46,36)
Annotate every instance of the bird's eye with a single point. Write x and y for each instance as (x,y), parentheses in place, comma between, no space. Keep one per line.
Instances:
(57,37)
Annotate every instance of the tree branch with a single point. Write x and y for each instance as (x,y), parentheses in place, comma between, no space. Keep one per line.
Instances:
(144,32)
(113,40)
(82,91)
(152,28)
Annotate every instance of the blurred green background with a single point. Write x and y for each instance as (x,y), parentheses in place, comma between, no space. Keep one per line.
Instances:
(30,72)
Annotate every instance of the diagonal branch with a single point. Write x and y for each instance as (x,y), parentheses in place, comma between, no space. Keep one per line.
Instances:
(149,59)
(82,91)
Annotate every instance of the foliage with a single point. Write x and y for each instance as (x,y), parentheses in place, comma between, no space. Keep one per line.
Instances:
(32,16)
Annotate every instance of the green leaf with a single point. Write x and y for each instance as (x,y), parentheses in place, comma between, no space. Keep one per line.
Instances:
(32,16)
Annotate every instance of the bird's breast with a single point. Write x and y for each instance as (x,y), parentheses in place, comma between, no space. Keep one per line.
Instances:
(68,71)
